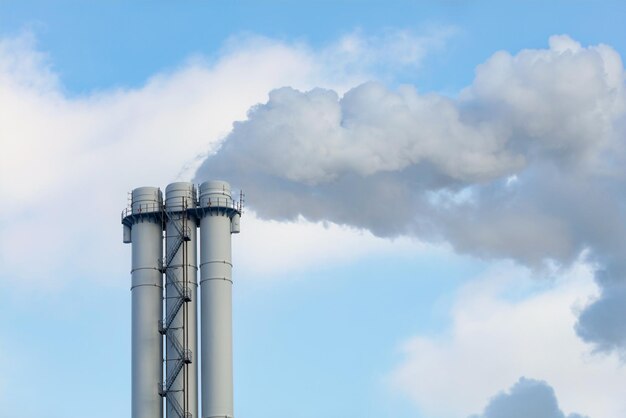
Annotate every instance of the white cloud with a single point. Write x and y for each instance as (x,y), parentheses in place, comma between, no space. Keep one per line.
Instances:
(506,325)
(67,163)
(387,52)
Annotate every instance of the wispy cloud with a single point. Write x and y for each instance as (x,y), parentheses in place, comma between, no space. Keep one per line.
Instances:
(67,162)
(504,325)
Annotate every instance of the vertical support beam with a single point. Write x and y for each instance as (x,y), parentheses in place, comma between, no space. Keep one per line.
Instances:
(216,300)
(146,235)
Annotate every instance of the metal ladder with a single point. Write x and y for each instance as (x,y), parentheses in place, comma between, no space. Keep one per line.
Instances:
(183,354)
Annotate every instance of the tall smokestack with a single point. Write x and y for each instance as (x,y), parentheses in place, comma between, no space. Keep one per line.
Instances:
(219,218)
(180,326)
(144,222)
(143,227)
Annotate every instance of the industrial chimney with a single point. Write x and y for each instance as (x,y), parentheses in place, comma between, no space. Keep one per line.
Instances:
(165,298)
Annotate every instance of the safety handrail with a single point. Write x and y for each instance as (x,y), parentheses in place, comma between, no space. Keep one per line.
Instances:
(207,202)
(222,202)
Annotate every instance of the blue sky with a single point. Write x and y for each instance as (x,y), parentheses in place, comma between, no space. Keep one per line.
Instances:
(422,307)
(97,46)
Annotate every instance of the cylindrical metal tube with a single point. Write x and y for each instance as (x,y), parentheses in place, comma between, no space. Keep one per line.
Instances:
(216,300)
(235,223)
(147,303)
(126,234)
(181,274)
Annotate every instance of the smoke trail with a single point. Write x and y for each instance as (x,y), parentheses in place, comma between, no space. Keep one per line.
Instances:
(527,163)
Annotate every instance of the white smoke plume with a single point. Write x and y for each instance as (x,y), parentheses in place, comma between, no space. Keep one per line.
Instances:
(527,163)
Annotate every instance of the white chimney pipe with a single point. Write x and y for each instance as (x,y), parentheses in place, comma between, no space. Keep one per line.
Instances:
(142,227)
(181,274)
(217,208)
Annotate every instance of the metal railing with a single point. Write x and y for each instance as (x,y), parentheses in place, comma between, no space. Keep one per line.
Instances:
(184,296)
(179,409)
(222,202)
(183,235)
(141,208)
(180,362)
(168,395)
(207,202)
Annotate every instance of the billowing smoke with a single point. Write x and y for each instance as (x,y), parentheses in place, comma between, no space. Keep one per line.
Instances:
(526,163)
(527,398)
